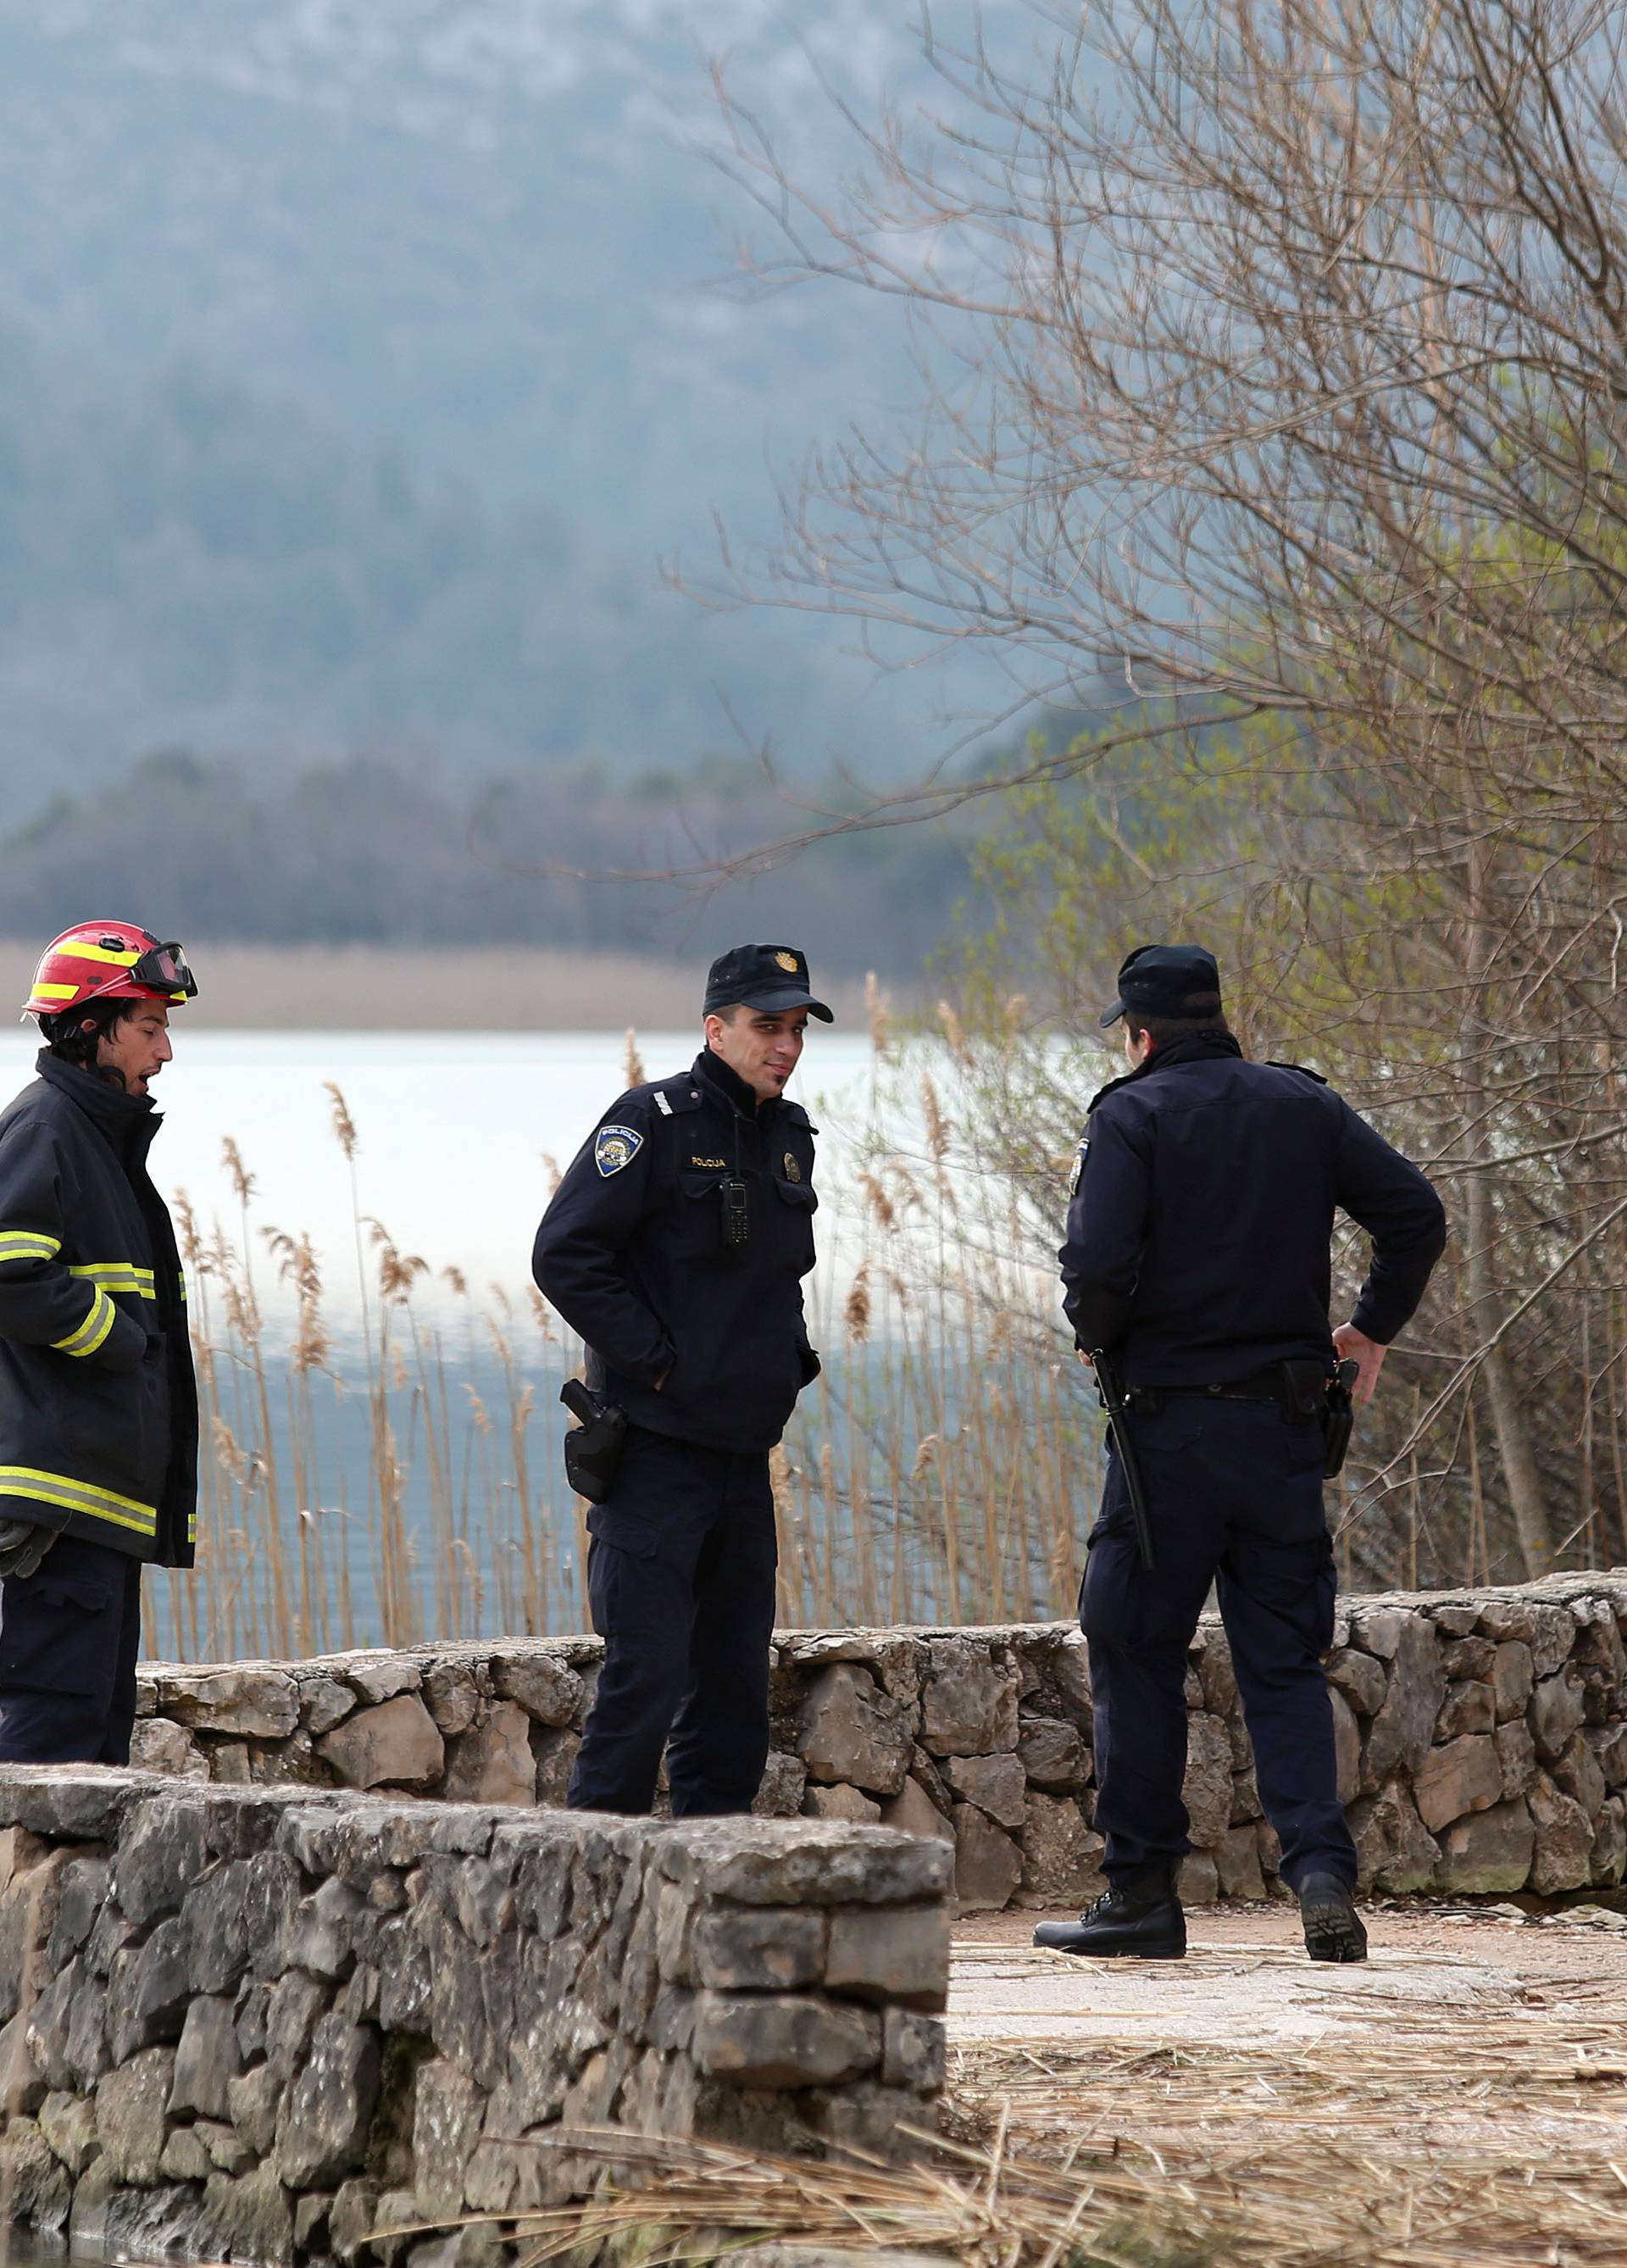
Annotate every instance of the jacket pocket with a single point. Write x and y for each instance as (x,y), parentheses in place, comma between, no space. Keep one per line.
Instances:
(698,1220)
(124,1346)
(796,1209)
(120,1423)
(624,1529)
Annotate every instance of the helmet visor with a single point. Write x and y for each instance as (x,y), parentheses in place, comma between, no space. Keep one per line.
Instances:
(164,968)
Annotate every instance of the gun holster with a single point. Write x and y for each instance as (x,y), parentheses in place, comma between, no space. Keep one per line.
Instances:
(593,1447)
(1338,1417)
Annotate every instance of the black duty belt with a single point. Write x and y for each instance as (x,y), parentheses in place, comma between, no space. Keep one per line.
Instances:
(1298,1388)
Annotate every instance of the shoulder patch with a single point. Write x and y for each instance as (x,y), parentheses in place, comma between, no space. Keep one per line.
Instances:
(615,1147)
(1077,1166)
(1304,1070)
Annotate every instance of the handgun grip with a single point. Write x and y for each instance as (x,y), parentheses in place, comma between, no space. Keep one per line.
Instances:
(578,1401)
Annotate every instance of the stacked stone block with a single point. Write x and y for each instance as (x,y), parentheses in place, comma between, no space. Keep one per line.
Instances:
(261,2024)
(1482,1739)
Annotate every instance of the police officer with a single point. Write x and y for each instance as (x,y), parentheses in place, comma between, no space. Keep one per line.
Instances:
(1197,1256)
(99,1416)
(676,1246)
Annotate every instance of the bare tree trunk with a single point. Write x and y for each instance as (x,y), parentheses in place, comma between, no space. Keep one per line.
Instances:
(1515,1452)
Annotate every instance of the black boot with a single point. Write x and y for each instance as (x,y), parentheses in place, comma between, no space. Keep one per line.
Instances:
(1333,1928)
(1142,1917)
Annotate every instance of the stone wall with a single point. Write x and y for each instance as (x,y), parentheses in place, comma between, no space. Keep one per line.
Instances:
(262,2023)
(1483,1739)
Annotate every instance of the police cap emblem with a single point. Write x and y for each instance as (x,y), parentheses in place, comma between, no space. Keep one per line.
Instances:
(787,961)
(615,1147)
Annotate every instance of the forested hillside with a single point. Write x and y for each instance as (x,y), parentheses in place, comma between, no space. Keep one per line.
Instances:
(247,251)
(383,850)
(180,558)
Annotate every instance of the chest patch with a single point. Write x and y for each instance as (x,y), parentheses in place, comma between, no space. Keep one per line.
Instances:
(615,1147)
(1077,1166)
(708,1164)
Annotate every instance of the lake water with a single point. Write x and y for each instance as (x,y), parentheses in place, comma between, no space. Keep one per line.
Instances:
(454,1129)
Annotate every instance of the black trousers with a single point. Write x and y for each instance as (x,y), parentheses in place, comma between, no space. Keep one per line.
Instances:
(1235,1490)
(69,1640)
(680,1582)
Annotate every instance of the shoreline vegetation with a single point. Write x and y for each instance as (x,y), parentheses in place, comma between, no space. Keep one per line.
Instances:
(390,988)
(403,1481)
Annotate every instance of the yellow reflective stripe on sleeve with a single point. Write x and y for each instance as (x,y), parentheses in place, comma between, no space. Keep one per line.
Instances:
(92,1330)
(26,1244)
(182,1274)
(54,992)
(79,948)
(79,1496)
(119,1275)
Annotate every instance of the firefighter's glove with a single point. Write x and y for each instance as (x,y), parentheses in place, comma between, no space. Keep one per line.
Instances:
(22,1546)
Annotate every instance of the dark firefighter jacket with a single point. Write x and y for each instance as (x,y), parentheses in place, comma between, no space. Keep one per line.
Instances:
(98,1420)
(1197,1245)
(632,1252)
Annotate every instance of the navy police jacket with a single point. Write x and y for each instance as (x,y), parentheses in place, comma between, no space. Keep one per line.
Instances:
(1203,1201)
(632,1253)
(99,1414)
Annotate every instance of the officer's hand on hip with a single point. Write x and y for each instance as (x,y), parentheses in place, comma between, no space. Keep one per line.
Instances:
(1352,1345)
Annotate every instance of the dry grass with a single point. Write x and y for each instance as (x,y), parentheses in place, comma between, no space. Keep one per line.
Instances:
(1468,2141)
(1465,2144)
(1461,2102)
(669,2198)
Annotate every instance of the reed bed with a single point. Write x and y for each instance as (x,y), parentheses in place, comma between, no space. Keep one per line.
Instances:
(385,1468)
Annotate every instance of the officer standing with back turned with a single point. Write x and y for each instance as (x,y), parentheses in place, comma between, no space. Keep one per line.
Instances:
(1196,1262)
(676,1246)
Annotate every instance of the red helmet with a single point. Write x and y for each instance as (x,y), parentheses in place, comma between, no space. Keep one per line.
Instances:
(107,961)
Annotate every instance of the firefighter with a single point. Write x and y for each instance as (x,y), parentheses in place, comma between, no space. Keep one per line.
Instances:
(99,1416)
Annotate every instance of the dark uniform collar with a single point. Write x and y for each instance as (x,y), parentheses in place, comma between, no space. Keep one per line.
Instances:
(1195,1048)
(128,1121)
(710,1066)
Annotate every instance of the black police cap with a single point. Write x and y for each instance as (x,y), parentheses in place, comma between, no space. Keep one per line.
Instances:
(770,977)
(1167,980)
